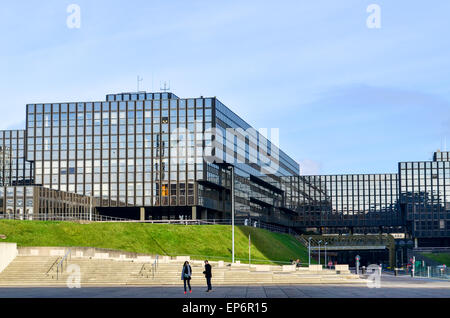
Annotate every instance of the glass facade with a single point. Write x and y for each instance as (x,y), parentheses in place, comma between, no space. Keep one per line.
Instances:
(120,150)
(39,203)
(441,156)
(362,202)
(158,150)
(260,170)
(170,157)
(14,169)
(425,196)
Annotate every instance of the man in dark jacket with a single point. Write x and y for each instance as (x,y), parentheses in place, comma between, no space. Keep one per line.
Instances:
(208,275)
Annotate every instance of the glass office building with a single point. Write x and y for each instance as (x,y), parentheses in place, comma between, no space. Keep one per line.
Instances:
(416,201)
(40,203)
(14,169)
(359,203)
(425,198)
(160,153)
(20,198)
(157,156)
(262,171)
(119,149)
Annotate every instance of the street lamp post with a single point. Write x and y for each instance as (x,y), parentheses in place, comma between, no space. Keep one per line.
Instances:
(401,256)
(232,212)
(319,250)
(91,207)
(326,243)
(309,250)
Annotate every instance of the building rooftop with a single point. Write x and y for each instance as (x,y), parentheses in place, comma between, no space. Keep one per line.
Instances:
(140,96)
(441,156)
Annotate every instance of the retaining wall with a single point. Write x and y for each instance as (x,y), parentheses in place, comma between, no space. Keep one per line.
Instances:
(8,252)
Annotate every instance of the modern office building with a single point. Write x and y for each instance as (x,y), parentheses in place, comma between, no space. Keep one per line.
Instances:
(40,203)
(415,201)
(154,155)
(14,169)
(157,156)
(19,197)
(360,203)
(425,199)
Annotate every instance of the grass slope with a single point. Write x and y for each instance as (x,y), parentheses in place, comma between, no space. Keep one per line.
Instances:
(443,258)
(205,241)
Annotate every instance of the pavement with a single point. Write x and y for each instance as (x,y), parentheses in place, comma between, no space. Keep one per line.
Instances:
(390,287)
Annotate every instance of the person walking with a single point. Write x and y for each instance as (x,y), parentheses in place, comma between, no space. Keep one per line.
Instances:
(208,275)
(186,274)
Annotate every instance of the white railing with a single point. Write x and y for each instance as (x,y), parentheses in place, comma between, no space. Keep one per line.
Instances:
(267,226)
(54,217)
(105,218)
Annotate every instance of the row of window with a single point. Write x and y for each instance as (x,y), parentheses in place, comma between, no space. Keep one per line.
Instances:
(424,165)
(118,106)
(116,117)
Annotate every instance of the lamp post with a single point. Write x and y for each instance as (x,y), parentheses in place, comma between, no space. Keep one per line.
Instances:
(401,256)
(232,212)
(326,243)
(249,250)
(309,250)
(91,207)
(319,249)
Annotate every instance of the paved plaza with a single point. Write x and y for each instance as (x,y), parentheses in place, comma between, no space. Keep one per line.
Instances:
(391,287)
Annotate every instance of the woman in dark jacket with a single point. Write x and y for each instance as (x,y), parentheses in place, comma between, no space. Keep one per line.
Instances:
(186,274)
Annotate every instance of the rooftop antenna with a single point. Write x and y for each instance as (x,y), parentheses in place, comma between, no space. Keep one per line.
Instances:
(165,88)
(139,79)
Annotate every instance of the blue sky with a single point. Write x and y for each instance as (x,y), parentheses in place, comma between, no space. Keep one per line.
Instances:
(347,99)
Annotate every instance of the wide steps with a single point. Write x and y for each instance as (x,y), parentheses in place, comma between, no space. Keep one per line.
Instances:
(31,271)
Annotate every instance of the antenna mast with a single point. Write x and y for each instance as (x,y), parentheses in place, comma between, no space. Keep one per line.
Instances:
(139,79)
(165,88)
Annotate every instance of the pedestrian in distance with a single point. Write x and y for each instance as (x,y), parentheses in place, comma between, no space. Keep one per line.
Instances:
(186,274)
(208,275)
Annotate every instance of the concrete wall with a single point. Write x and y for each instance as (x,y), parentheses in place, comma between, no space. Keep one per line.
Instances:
(341,267)
(76,252)
(103,253)
(315,267)
(288,268)
(8,251)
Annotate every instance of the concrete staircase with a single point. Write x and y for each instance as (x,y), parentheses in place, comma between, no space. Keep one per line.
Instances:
(28,271)
(34,271)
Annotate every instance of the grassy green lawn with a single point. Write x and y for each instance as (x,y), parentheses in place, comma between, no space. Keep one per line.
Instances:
(198,241)
(443,258)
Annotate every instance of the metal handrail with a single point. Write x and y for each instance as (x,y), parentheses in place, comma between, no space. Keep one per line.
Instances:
(152,269)
(143,269)
(238,221)
(155,265)
(61,264)
(51,267)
